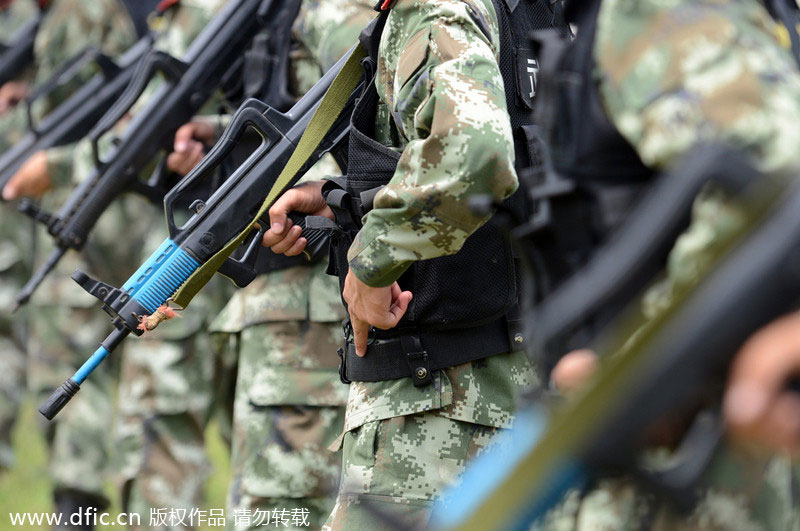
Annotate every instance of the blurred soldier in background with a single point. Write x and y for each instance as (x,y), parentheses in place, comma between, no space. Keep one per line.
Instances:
(78,457)
(284,328)
(160,459)
(672,75)
(13,272)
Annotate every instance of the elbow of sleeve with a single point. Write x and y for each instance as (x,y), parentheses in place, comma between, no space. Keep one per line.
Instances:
(504,180)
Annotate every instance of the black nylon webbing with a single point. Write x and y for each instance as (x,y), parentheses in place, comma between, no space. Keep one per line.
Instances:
(388,360)
(139,11)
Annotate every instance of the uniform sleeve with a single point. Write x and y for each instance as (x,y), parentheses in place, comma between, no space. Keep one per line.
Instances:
(714,72)
(449,104)
(60,165)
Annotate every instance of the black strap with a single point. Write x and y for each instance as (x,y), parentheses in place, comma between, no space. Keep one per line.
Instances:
(786,13)
(370,37)
(139,11)
(417,356)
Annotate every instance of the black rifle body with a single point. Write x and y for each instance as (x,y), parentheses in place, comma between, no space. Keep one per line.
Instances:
(73,118)
(189,85)
(672,363)
(18,53)
(216,220)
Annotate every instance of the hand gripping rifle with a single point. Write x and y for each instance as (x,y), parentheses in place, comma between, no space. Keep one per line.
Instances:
(752,279)
(17,53)
(232,216)
(188,86)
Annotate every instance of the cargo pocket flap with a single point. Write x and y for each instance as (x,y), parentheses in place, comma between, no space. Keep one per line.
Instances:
(281,386)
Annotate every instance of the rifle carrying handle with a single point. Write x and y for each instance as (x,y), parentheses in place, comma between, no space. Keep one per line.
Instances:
(68,72)
(155,61)
(249,115)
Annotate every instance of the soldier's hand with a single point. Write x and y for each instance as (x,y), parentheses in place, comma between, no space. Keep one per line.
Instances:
(12,93)
(379,307)
(758,406)
(189,147)
(284,238)
(574,369)
(31,180)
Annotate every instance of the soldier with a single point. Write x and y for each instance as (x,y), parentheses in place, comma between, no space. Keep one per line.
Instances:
(439,377)
(669,75)
(12,271)
(69,26)
(160,459)
(283,329)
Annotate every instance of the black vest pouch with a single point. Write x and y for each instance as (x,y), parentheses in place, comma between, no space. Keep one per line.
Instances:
(472,287)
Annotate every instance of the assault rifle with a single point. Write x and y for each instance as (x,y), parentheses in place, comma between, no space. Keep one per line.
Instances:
(17,53)
(666,366)
(189,84)
(74,117)
(218,218)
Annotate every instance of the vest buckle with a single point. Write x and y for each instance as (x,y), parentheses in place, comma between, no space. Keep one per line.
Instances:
(343,366)
(417,360)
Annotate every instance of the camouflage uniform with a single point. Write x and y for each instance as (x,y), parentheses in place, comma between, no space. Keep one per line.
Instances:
(671,74)
(67,28)
(168,379)
(285,328)
(13,16)
(12,274)
(287,408)
(442,104)
(167,386)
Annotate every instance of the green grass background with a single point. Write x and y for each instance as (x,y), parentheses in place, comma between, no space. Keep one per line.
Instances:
(26,488)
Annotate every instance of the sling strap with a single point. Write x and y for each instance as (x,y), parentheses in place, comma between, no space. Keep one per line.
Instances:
(330,108)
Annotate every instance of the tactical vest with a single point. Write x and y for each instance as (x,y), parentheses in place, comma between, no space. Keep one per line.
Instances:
(602,173)
(460,310)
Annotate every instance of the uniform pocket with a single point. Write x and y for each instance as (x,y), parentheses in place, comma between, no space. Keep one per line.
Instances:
(280,451)
(275,386)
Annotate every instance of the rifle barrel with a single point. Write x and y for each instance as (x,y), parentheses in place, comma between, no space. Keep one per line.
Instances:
(25,293)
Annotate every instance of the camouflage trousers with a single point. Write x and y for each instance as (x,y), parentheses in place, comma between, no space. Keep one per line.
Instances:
(739,492)
(12,379)
(397,467)
(288,408)
(13,328)
(61,339)
(170,384)
(40,347)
